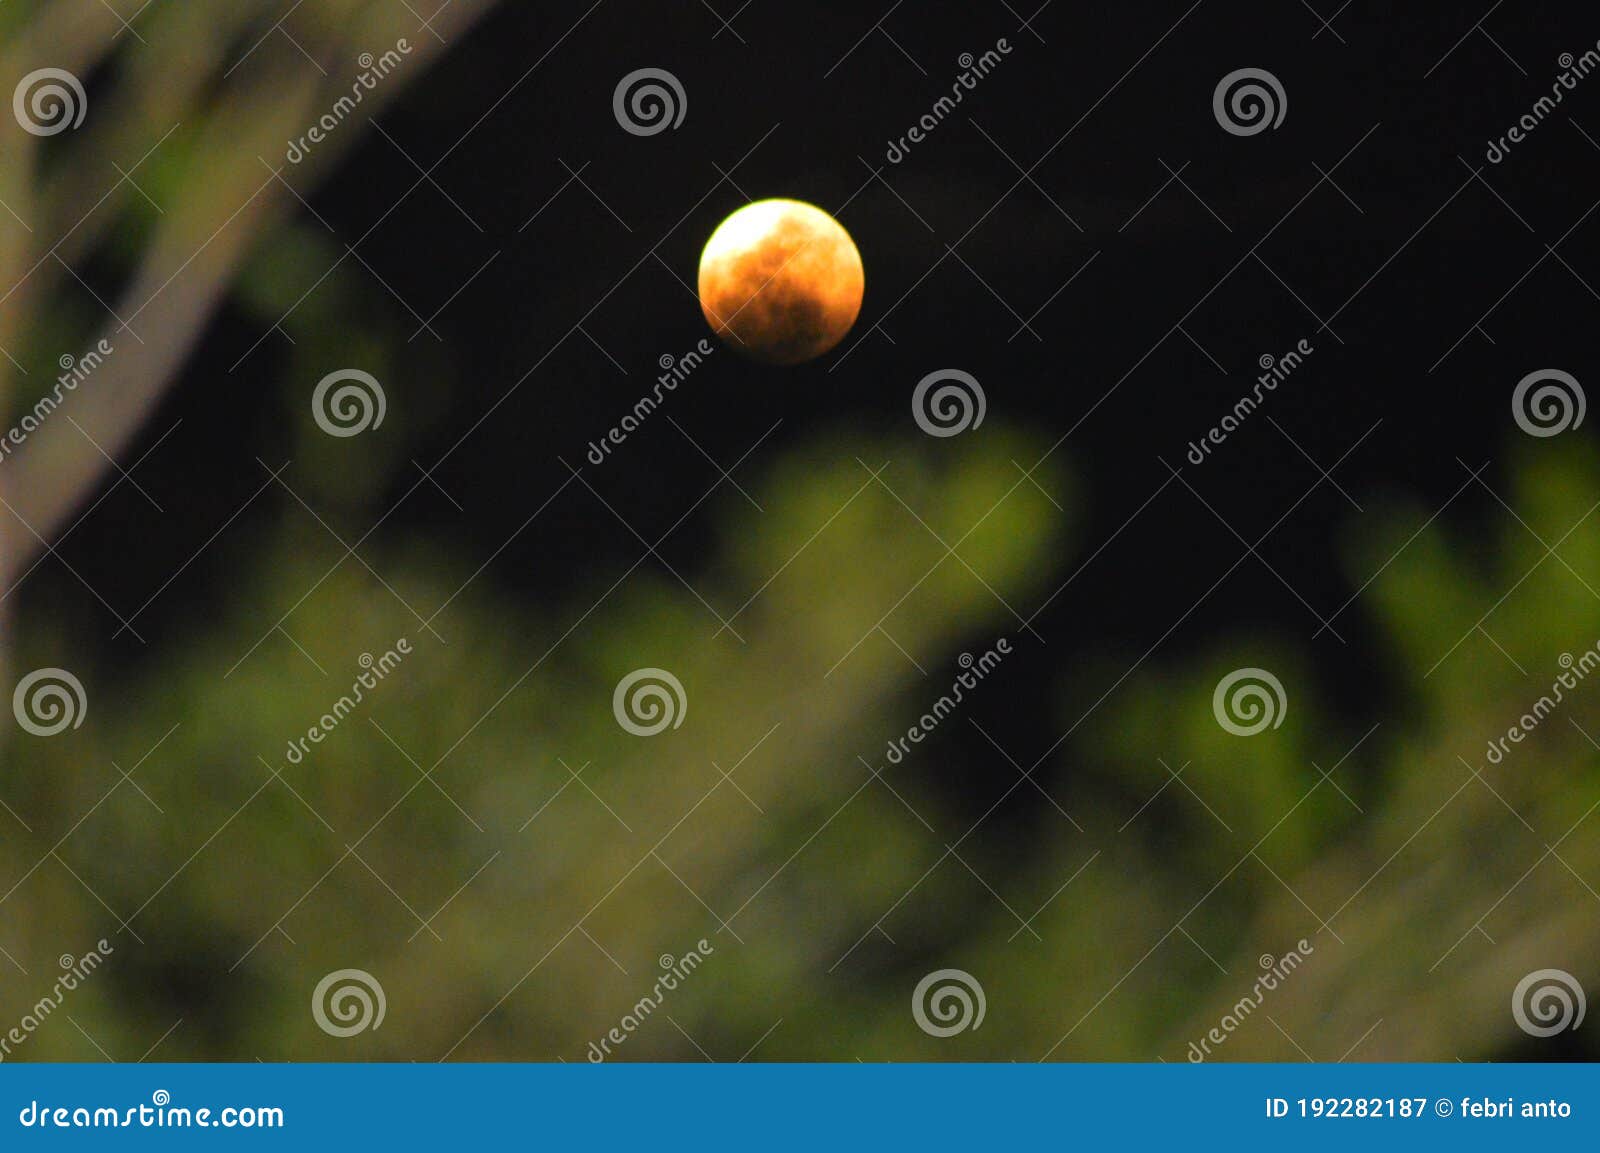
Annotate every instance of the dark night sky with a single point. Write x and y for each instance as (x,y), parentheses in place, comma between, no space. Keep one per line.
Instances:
(1401,277)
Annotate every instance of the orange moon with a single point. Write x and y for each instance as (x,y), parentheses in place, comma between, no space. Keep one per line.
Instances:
(781,281)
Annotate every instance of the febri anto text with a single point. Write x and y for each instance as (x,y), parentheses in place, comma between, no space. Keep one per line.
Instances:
(1575,672)
(374,70)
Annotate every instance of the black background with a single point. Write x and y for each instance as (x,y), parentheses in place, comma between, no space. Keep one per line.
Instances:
(1398,104)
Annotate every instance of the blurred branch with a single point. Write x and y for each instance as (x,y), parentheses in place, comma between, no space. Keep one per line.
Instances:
(227,200)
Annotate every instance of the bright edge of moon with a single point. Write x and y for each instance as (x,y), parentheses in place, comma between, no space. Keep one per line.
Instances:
(781,281)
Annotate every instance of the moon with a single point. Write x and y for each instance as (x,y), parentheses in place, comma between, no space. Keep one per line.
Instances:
(781,281)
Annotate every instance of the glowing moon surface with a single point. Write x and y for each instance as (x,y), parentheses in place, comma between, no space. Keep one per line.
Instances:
(781,281)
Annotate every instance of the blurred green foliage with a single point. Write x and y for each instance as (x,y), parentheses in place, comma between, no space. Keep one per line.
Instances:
(295,870)
(483,837)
